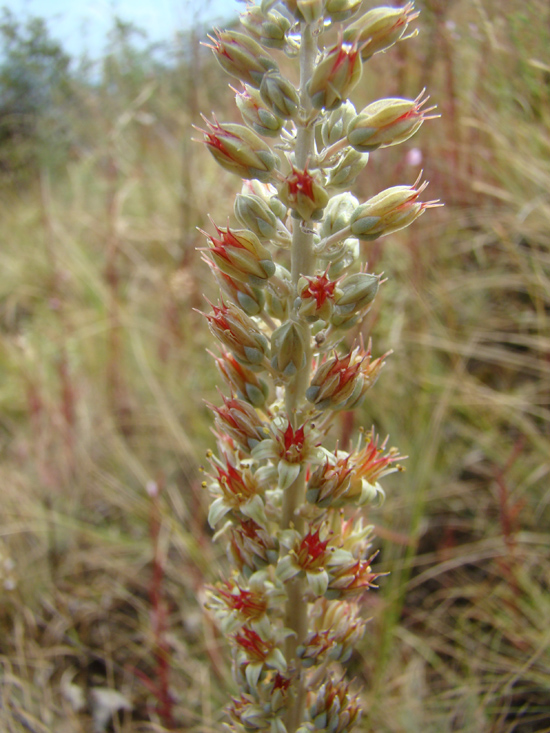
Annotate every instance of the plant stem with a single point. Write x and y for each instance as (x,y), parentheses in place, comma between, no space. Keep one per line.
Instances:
(302,263)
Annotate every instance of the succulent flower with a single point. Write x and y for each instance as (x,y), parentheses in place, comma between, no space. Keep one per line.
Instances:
(292,285)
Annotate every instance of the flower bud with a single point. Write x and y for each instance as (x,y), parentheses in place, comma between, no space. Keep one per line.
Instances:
(341,384)
(242,381)
(242,57)
(380,28)
(277,296)
(335,124)
(280,95)
(250,300)
(340,10)
(335,76)
(256,115)
(337,630)
(387,212)
(239,150)
(346,170)
(268,28)
(255,214)
(287,349)
(311,10)
(333,708)
(387,122)
(356,292)
(237,332)
(316,298)
(303,193)
(278,208)
(241,255)
(338,214)
(241,422)
(252,547)
(329,484)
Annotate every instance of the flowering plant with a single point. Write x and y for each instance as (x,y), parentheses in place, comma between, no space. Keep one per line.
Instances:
(292,286)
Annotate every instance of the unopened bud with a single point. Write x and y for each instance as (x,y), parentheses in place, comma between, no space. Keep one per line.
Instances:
(311,10)
(255,214)
(357,291)
(380,28)
(303,193)
(387,122)
(346,170)
(278,208)
(238,333)
(287,349)
(239,150)
(241,422)
(256,115)
(335,124)
(340,10)
(335,76)
(387,212)
(334,709)
(242,57)
(280,95)
(241,255)
(250,300)
(242,381)
(338,213)
(341,384)
(268,27)
(277,303)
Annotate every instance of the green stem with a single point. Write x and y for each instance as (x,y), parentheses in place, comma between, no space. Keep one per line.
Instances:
(302,263)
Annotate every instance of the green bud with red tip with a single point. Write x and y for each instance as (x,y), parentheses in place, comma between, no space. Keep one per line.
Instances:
(335,76)
(241,255)
(316,297)
(238,333)
(250,299)
(242,381)
(255,113)
(242,57)
(387,122)
(280,95)
(387,212)
(302,192)
(380,28)
(239,150)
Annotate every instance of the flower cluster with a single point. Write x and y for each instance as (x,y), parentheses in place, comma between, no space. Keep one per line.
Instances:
(293,292)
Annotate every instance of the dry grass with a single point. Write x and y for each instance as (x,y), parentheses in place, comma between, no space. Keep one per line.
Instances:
(105,372)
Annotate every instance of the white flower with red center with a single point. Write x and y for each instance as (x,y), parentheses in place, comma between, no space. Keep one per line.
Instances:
(289,449)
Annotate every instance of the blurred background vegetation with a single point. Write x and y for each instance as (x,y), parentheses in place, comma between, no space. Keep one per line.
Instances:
(104,544)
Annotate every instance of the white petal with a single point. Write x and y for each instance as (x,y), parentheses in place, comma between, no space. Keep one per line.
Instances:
(288,473)
(286,568)
(255,510)
(253,672)
(318,582)
(218,509)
